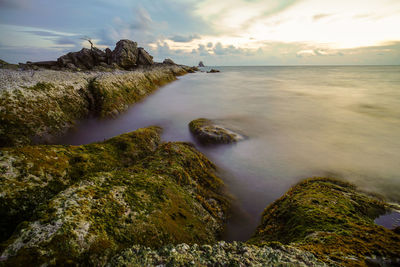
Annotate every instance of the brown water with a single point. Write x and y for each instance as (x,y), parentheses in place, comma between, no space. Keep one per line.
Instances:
(301,121)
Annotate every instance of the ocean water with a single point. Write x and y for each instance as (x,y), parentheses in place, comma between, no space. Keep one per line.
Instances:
(336,121)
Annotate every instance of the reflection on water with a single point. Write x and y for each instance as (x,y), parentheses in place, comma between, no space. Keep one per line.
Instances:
(301,122)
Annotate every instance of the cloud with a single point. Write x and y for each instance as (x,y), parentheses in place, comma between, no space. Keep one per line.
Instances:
(44,33)
(184,39)
(320,16)
(15,4)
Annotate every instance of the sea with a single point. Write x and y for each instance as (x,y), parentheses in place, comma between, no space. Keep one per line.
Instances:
(299,122)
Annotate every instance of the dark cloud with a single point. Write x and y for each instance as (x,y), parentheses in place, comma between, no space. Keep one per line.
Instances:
(15,4)
(184,39)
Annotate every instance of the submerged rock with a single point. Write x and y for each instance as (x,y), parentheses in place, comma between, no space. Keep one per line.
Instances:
(334,221)
(206,131)
(84,204)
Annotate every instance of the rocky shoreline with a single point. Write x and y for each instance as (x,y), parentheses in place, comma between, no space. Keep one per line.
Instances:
(134,200)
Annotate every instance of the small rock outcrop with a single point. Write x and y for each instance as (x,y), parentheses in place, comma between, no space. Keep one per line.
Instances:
(168,61)
(207,132)
(201,64)
(213,71)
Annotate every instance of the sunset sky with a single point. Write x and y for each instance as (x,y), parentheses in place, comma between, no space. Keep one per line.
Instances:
(223,32)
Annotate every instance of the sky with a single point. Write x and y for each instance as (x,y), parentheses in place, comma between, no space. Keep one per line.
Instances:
(219,32)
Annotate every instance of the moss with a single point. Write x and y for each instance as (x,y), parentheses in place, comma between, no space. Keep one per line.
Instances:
(127,190)
(331,219)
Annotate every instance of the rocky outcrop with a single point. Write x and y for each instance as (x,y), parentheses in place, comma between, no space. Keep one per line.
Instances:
(125,54)
(168,61)
(201,64)
(84,204)
(334,221)
(213,71)
(208,132)
(36,105)
(6,65)
(220,254)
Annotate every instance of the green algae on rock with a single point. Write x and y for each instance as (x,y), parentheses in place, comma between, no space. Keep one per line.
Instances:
(36,105)
(331,219)
(208,132)
(220,254)
(128,190)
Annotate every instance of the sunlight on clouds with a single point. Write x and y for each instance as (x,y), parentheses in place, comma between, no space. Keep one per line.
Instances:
(334,24)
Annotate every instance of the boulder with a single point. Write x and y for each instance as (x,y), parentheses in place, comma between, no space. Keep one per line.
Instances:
(207,132)
(83,59)
(126,54)
(144,58)
(201,64)
(168,61)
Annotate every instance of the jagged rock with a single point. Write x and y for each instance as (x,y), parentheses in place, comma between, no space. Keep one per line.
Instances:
(125,54)
(208,132)
(213,71)
(201,64)
(83,59)
(168,61)
(144,58)
(108,56)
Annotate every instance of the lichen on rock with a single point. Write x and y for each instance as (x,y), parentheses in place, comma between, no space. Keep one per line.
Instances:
(209,132)
(333,220)
(128,190)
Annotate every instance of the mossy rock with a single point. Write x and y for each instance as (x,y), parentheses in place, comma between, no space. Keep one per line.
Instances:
(109,196)
(208,132)
(38,105)
(331,219)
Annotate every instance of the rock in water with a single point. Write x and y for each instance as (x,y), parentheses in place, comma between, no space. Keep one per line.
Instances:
(213,71)
(201,64)
(168,61)
(208,132)
(126,54)
(334,221)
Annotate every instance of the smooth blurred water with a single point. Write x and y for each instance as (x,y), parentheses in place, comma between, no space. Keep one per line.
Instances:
(338,121)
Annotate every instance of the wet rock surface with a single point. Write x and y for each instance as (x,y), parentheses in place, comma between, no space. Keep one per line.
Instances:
(209,132)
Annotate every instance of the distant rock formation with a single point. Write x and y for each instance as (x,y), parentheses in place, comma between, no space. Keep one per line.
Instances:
(213,71)
(126,55)
(168,61)
(201,64)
